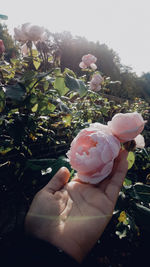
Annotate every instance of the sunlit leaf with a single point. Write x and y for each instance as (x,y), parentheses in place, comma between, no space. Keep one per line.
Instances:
(34,53)
(35,107)
(60,86)
(130,159)
(3,150)
(67,120)
(127,182)
(75,85)
(51,107)
(36,64)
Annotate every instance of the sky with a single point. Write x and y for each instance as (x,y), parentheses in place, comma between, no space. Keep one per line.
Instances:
(124,25)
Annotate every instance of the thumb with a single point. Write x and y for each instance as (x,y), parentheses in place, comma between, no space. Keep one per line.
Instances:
(58,180)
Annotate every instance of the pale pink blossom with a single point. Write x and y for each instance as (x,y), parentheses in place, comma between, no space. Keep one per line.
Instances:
(95,84)
(93,66)
(140,142)
(88,61)
(21,32)
(2,47)
(126,126)
(92,153)
(28,32)
(35,33)
(82,65)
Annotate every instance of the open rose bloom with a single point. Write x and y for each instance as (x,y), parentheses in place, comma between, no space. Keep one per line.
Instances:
(92,154)
(28,32)
(88,61)
(95,84)
(94,149)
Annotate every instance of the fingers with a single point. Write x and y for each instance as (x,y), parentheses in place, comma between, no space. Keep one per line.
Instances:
(116,181)
(58,180)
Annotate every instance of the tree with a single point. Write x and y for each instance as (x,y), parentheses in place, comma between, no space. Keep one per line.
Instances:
(11,48)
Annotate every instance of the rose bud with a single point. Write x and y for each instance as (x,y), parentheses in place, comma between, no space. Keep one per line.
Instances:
(126,126)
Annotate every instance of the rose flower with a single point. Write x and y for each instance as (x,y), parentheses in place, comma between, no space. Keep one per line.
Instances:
(126,126)
(88,61)
(92,153)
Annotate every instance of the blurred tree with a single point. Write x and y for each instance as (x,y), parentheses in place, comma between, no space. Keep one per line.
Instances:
(72,50)
(108,63)
(11,48)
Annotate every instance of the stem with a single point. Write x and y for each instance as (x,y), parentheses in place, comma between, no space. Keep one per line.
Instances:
(41,78)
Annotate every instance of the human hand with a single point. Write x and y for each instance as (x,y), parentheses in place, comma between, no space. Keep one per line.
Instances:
(72,216)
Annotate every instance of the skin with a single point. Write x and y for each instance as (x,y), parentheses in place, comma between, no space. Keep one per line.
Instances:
(73,215)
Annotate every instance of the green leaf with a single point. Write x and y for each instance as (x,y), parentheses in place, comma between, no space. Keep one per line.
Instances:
(46,85)
(51,107)
(127,182)
(36,64)
(15,92)
(139,192)
(3,150)
(142,216)
(143,192)
(2,100)
(76,85)
(67,119)
(130,159)
(34,53)
(57,71)
(39,164)
(35,107)
(68,71)
(60,86)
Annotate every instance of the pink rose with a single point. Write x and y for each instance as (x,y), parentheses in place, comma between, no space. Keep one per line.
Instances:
(88,61)
(92,153)
(2,47)
(126,126)
(28,32)
(21,33)
(95,84)
(140,142)
(35,33)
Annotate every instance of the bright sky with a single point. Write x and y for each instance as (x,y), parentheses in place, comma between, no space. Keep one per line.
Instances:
(124,25)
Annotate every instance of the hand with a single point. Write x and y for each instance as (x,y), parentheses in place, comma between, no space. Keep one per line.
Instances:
(72,216)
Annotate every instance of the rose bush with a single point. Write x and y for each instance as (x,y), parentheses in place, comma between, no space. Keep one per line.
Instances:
(92,153)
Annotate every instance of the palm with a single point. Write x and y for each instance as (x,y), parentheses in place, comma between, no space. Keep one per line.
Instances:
(81,212)
(73,215)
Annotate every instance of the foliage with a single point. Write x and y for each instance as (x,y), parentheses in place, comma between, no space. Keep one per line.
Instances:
(11,48)
(71,49)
